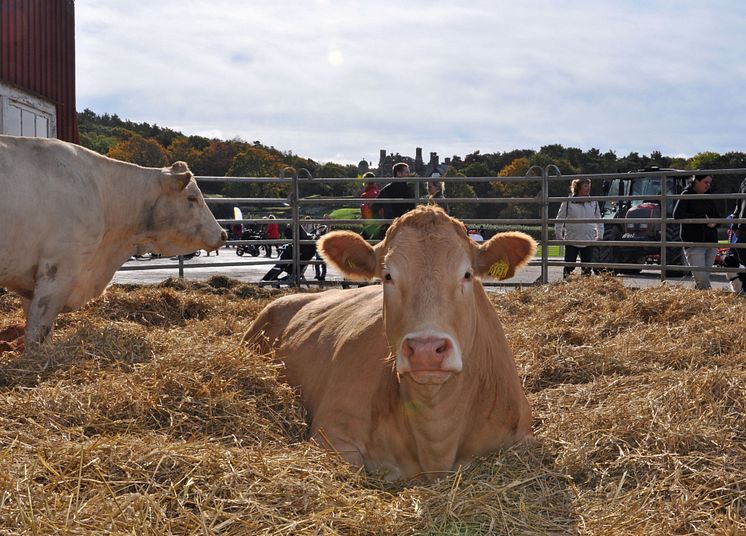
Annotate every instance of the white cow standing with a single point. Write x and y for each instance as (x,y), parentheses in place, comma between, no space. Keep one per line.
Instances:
(69,218)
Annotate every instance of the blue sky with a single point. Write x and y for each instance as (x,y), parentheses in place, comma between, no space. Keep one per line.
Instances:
(339,80)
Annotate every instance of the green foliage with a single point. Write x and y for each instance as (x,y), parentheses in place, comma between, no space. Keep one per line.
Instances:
(101,143)
(255,161)
(476,169)
(461,188)
(706,160)
(345,214)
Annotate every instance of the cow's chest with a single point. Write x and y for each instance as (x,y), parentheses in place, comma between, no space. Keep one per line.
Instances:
(415,445)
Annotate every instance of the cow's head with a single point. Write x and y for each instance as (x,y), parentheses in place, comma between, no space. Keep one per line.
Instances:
(180,222)
(430,271)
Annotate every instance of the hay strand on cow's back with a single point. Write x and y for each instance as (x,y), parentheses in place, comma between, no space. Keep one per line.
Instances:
(146,416)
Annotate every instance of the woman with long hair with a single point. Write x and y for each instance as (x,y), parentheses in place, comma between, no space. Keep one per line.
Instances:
(581,208)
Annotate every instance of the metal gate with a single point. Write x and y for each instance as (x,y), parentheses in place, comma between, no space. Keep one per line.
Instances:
(295,213)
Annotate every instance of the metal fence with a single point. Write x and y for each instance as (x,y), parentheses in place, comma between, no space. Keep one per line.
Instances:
(296,213)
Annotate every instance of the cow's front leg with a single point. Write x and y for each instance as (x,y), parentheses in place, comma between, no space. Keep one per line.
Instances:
(346,450)
(50,295)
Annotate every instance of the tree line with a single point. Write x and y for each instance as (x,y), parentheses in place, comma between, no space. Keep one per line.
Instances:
(153,145)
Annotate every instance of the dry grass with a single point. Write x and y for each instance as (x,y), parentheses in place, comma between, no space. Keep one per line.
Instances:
(145,416)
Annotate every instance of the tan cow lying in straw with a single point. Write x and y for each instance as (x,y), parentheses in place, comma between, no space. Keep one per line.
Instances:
(415,375)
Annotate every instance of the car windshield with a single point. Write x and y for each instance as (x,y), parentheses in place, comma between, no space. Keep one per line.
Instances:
(652,186)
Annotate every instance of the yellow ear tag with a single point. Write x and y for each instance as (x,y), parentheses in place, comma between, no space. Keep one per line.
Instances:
(350,263)
(499,270)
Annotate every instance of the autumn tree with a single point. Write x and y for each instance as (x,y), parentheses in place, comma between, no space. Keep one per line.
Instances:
(517,168)
(181,149)
(138,150)
(217,158)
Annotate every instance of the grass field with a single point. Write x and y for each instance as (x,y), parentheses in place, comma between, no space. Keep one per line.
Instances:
(345,214)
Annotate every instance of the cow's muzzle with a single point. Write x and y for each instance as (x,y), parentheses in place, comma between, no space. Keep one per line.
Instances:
(430,356)
(220,243)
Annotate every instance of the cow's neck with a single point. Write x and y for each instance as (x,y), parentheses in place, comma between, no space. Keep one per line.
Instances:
(126,198)
(436,419)
(129,199)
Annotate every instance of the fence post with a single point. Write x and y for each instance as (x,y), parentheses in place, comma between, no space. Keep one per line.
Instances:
(664,227)
(294,197)
(181,267)
(544,220)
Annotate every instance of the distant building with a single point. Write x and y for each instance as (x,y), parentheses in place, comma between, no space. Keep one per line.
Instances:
(37,69)
(434,168)
(363,167)
(416,164)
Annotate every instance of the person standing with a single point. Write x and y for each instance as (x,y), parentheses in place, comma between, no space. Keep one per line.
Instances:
(394,190)
(698,256)
(273,233)
(370,191)
(320,267)
(579,207)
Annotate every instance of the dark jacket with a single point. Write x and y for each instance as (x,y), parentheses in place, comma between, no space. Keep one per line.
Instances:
(740,210)
(394,190)
(696,208)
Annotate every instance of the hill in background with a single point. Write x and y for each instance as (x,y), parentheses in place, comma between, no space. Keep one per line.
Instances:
(152,145)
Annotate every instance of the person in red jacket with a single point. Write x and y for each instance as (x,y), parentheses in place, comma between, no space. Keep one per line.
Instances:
(272,233)
(370,191)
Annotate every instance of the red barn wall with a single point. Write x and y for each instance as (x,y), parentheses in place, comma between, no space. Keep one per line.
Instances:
(37,54)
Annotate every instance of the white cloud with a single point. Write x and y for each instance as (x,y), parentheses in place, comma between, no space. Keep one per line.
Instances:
(338,80)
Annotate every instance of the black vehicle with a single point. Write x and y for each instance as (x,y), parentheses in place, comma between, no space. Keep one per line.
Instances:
(644,231)
(251,249)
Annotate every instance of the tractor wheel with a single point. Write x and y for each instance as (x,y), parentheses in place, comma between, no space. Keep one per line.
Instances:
(607,254)
(675,255)
(610,254)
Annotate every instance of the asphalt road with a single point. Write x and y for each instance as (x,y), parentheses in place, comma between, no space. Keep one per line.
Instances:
(251,269)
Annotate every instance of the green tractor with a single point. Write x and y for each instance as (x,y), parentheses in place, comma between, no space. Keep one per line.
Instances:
(644,231)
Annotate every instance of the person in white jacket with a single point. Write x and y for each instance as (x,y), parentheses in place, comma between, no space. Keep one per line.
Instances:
(579,208)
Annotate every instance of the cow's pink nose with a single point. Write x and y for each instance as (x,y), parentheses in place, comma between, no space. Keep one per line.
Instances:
(426,353)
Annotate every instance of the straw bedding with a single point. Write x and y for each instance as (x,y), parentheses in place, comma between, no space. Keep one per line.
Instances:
(145,416)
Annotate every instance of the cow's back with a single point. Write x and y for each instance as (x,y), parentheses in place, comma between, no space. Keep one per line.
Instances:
(47,180)
(50,205)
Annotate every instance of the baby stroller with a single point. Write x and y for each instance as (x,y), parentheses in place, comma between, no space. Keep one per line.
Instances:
(307,251)
(251,249)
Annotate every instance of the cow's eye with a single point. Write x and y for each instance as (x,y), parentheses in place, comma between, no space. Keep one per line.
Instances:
(192,198)
(467,276)
(387,277)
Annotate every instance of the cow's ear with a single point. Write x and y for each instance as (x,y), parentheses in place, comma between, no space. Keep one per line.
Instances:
(504,254)
(179,175)
(349,253)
